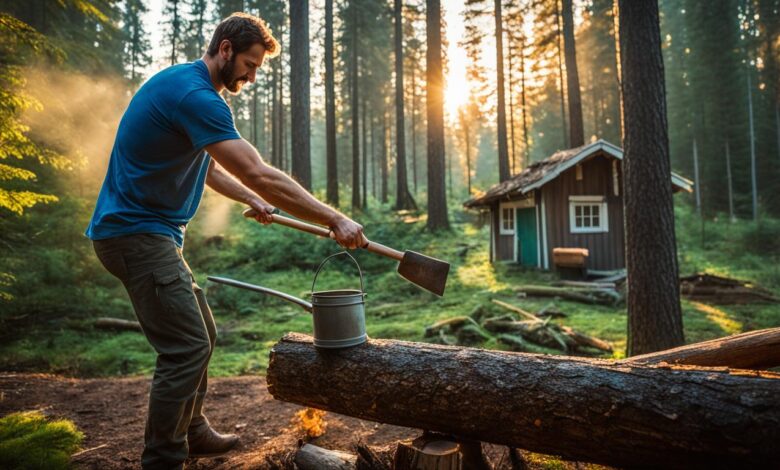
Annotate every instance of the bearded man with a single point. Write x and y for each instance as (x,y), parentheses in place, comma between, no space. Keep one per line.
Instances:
(176,135)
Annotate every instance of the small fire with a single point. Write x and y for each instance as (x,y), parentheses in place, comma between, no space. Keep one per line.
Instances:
(311,421)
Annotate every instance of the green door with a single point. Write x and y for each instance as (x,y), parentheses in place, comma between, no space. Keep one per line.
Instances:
(526,236)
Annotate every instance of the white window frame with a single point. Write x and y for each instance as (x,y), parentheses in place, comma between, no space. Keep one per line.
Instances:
(582,201)
(502,219)
(512,205)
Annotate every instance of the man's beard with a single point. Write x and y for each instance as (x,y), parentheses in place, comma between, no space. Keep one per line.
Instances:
(226,75)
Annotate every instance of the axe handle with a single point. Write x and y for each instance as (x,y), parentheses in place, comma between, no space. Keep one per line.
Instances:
(373,247)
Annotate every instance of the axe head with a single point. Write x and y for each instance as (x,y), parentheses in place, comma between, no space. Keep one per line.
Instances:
(428,273)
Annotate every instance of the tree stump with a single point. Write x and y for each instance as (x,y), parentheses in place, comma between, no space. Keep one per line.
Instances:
(428,452)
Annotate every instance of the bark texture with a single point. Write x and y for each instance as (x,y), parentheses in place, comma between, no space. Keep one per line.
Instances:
(403,198)
(354,103)
(503,150)
(654,315)
(332,192)
(299,92)
(582,409)
(576,129)
(437,198)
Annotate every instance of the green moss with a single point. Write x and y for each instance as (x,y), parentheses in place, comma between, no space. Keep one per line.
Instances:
(29,441)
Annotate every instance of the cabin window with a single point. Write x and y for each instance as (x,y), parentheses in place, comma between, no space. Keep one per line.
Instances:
(588,214)
(507,220)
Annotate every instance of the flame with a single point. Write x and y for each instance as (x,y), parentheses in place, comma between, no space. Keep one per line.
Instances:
(311,421)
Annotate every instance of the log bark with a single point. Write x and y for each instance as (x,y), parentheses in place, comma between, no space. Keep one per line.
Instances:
(752,350)
(581,409)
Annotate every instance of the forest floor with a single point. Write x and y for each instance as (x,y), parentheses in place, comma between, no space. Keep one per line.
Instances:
(111,413)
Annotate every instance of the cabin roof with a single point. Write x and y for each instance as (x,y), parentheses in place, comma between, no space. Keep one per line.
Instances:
(542,172)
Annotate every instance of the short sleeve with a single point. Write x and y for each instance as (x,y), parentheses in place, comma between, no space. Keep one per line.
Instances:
(205,117)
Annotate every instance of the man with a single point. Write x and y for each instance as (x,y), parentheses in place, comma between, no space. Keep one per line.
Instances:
(177,134)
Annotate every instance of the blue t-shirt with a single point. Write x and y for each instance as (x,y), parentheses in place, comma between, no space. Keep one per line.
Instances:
(158,166)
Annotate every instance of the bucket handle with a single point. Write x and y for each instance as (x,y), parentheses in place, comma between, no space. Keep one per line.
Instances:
(362,291)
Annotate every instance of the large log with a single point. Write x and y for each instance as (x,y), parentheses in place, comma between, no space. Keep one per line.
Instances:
(581,409)
(752,350)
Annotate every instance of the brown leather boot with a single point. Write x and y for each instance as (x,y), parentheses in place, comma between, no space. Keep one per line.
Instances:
(211,443)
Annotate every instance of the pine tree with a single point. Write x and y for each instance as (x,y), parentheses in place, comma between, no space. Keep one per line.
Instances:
(654,314)
(137,44)
(437,198)
(403,199)
(300,112)
(332,193)
(174,25)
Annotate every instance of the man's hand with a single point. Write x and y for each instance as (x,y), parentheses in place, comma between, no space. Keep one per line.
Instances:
(263,210)
(348,233)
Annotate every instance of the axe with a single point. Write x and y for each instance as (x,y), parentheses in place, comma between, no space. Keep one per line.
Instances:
(424,271)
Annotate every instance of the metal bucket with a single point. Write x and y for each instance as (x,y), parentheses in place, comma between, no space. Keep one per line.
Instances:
(338,315)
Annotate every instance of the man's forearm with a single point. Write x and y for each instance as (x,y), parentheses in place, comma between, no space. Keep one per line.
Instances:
(241,160)
(222,182)
(284,192)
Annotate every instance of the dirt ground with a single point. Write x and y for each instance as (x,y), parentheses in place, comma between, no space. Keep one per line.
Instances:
(111,413)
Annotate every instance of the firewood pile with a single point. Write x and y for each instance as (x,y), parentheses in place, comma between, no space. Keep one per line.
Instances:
(520,330)
(710,288)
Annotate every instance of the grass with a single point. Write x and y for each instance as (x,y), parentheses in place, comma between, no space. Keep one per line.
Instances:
(276,257)
(29,441)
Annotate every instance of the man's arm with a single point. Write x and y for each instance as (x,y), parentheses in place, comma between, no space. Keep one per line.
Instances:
(222,182)
(242,160)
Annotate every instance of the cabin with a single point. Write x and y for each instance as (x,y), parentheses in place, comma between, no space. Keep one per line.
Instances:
(571,200)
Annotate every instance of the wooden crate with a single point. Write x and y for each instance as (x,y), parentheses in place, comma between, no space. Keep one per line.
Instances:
(570,257)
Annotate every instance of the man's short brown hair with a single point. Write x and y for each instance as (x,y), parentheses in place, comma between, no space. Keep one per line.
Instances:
(244,30)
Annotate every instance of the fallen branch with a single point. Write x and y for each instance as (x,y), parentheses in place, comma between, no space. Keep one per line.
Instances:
(752,350)
(311,457)
(516,309)
(577,294)
(107,323)
(584,340)
(723,290)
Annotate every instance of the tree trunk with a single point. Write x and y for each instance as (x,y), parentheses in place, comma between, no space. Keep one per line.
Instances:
(581,409)
(437,197)
(364,136)
(414,129)
(300,112)
(696,180)
(332,191)
(732,217)
(559,34)
(355,116)
(753,176)
(526,155)
(654,315)
(384,171)
(576,130)
(513,169)
(403,199)
(503,151)
(276,124)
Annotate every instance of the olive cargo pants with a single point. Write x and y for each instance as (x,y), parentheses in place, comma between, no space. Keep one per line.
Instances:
(177,321)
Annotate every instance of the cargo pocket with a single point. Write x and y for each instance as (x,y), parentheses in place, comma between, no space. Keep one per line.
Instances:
(173,285)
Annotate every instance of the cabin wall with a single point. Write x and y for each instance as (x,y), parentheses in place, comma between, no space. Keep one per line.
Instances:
(607,250)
